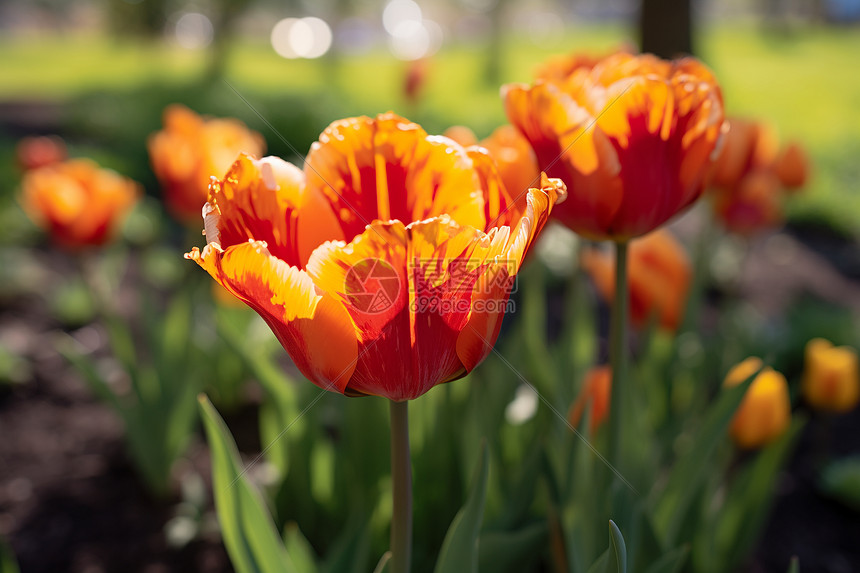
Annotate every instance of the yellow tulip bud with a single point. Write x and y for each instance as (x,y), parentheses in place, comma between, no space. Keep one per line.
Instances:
(765,411)
(830,378)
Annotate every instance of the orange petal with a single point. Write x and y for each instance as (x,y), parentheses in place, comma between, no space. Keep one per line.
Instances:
(314,328)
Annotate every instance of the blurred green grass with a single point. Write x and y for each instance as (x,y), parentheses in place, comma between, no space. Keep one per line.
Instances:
(801,80)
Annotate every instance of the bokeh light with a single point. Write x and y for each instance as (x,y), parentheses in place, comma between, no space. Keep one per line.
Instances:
(194,31)
(301,38)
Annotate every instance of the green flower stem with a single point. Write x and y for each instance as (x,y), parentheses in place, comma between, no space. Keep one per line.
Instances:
(401,478)
(618,352)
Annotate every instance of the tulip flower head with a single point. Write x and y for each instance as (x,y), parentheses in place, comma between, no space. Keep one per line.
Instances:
(595,392)
(659,276)
(384,267)
(78,203)
(831,377)
(35,152)
(765,411)
(752,175)
(191,149)
(631,136)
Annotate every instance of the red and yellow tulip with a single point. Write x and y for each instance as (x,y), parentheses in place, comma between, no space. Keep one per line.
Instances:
(765,412)
(191,149)
(831,376)
(78,203)
(631,136)
(659,276)
(384,267)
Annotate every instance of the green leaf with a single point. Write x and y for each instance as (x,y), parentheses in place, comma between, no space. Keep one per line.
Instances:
(246,526)
(459,553)
(794,566)
(601,565)
(841,481)
(670,562)
(351,551)
(299,549)
(502,551)
(692,468)
(617,550)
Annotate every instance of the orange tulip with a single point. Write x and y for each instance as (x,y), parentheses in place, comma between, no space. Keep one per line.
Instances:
(754,205)
(35,152)
(831,378)
(595,392)
(765,411)
(190,150)
(77,202)
(511,152)
(792,166)
(747,147)
(659,275)
(385,266)
(632,137)
(751,175)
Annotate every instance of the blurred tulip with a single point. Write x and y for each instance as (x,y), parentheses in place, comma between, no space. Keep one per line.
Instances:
(751,175)
(190,150)
(747,147)
(77,202)
(765,412)
(659,278)
(792,166)
(462,135)
(514,159)
(754,205)
(35,152)
(414,80)
(385,267)
(632,137)
(595,392)
(831,381)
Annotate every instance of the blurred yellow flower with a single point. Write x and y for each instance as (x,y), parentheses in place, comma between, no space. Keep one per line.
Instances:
(830,379)
(765,412)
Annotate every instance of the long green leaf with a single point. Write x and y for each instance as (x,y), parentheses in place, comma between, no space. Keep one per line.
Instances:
(794,566)
(246,526)
(617,550)
(8,564)
(687,476)
(459,553)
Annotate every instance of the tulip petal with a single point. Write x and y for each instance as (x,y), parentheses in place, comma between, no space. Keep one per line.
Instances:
(389,168)
(314,328)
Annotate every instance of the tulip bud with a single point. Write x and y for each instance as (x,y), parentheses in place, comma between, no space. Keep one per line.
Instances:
(765,411)
(595,393)
(792,167)
(830,379)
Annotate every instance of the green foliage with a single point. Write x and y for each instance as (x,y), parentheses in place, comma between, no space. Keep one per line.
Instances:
(841,481)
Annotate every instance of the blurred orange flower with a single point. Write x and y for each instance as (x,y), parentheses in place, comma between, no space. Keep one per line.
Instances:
(831,377)
(632,137)
(190,150)
(765,411)
(596,388)
(77,202)
(751,176)
(385,267)
(659,275)
(35,152)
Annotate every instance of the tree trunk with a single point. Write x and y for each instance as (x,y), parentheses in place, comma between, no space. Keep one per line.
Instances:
(665,27)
